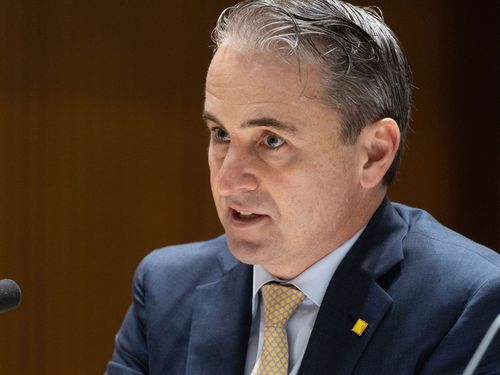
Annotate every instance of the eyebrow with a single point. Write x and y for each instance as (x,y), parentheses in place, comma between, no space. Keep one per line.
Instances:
(257,122)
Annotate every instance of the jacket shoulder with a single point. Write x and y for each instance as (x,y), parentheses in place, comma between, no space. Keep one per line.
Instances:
(185,254)
(440,248)
(204,260)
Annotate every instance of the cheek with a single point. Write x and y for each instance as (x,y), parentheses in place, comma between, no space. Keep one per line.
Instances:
(316,190)
(214,172)
(213,161)
(299,193)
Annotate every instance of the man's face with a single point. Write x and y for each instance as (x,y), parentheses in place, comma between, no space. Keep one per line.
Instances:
(284,184)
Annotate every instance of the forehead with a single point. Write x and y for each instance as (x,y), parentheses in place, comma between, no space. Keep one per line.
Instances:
(261,77)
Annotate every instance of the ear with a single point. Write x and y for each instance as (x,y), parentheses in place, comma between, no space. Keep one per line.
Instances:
(379,142)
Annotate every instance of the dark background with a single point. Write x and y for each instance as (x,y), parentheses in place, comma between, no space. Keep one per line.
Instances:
(102,152)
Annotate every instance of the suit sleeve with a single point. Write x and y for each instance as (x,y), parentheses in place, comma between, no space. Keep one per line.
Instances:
(130,355)
(457,347)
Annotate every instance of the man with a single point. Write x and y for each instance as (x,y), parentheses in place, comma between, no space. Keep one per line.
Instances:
(307,103)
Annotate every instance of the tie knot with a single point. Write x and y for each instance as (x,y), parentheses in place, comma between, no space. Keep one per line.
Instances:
(280,301)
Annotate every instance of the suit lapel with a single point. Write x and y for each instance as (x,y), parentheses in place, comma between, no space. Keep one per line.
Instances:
(356,291)
(221,323)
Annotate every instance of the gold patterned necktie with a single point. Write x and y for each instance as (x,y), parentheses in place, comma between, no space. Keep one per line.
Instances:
(280,301)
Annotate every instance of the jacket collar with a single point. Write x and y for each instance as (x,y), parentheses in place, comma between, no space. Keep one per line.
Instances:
(221,320)
(356,291)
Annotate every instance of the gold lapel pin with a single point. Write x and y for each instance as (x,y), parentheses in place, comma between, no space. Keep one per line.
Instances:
(359,327)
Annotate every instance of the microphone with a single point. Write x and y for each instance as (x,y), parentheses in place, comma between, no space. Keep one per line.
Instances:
(483,347)
(10,295)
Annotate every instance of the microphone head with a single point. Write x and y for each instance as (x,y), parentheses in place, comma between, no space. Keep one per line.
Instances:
(10,295)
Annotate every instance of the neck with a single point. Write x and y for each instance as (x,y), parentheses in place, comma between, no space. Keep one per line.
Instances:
(362,213)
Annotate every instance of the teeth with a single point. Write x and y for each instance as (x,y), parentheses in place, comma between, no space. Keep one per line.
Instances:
(245,215)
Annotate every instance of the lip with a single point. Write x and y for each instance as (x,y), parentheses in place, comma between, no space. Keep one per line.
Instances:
(242,208)
(238,223)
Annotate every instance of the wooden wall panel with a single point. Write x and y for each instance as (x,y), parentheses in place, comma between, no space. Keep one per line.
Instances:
(102,153)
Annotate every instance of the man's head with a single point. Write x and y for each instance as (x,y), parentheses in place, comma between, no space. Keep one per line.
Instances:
(365,73)
(299,148)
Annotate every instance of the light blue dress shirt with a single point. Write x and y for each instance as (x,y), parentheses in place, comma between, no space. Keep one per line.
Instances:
(313,282)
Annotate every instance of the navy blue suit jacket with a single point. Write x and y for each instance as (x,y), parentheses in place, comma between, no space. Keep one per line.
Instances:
(427,293)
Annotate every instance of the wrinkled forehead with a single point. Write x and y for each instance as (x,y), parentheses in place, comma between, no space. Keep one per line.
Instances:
(261,76)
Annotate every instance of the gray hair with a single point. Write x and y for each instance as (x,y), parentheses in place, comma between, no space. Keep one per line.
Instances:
(365,72)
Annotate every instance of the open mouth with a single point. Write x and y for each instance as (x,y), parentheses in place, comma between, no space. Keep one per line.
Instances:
(245,216)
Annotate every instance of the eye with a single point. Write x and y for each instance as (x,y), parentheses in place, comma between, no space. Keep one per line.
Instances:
(273,141)
(220,135)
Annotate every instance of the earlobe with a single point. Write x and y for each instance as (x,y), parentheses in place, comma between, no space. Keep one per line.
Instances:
(380,142)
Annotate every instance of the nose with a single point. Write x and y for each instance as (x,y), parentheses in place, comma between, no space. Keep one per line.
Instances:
(236,172)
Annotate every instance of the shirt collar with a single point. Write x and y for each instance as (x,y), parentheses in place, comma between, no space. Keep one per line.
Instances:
(314,281)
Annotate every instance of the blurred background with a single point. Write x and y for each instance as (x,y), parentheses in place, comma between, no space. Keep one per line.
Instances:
(102,152)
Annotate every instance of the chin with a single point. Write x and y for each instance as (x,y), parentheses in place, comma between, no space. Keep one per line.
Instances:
(246,251)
